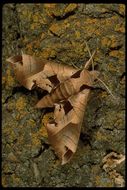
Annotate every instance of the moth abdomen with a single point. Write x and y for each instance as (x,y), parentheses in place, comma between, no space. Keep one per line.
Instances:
(62,92)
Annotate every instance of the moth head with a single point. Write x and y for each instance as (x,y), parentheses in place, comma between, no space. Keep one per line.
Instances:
(15,61)
(17,64)
(94,74)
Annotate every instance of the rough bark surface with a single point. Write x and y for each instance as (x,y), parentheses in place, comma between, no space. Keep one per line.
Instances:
(58,32)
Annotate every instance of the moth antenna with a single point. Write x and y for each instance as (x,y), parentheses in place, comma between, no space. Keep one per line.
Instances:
(75,66)
(106,88)
(88,63)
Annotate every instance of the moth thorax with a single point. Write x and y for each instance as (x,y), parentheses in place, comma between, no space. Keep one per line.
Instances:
(86,78)
(67,89)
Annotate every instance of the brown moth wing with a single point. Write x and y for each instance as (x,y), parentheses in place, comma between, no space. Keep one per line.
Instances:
(45,74)
(64,131)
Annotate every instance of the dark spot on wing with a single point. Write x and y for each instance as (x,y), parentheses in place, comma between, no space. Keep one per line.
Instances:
(54,80)
(67,107)
(84,86)
(77,74)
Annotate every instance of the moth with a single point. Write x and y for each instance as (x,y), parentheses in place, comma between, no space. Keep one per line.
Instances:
(68,92)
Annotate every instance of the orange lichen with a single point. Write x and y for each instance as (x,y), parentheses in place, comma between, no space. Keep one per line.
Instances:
(111,41)
(48,52)
(117,54)
(71,7)
(120,27)
(91,21)
(34,139)
(59,28)
(21,103)
(55,28)
(114,41)
(106,41)
(111,67)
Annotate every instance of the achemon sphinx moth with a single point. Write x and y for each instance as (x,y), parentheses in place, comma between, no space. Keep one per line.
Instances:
(68,91)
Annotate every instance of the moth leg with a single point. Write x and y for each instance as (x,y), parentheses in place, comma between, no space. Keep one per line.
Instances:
(59,112)
(58,115)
